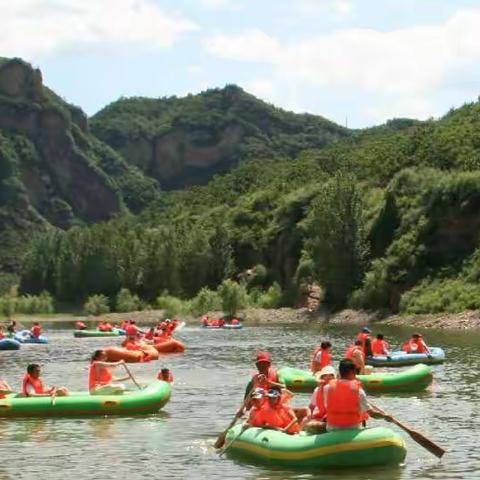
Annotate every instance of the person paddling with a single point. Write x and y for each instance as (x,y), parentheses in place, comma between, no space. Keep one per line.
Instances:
(380,346)
(416,345)
(100,378)
(36,330)
(356,353)
(33,386)
(322,357)
(345,400)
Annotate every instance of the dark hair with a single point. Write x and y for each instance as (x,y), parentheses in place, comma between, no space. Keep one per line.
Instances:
(96,354)
(32,367)
(358,342)
(380,336)
(276,388)
(165,370)
(325,345)
(345,367)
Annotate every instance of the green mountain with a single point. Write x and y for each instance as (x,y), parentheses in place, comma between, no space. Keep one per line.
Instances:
(185,141)
(53,171)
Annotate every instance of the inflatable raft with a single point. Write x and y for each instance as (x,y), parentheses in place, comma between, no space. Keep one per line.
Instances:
(97,333)
(25,336)
(402,359)
(9,344)
(114,354)
(229,326)
(147,400)
(412,380)
(342,448)
(169,346)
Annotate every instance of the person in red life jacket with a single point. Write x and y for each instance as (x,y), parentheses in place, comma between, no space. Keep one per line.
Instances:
(131,330)
(2,333)
(79,325)
(100,378)
(166,375)
(124,324)
(416,345)
(221,322)
(321,357)
(150,335)
(276,414)
(108,327)
(257,403)
(5,388)
(345,400)
(205,321)
(171,327)
(364,334)
(380,346)
(235,321)
(267,376)
(357,355)
(12,328)
(36,330)
(101,326)
(33,386)
(316,421)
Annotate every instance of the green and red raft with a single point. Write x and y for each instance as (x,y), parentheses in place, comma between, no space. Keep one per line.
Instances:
(341,448)
(411,380)
(147,400)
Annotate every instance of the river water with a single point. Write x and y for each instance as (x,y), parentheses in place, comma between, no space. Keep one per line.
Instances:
(209,383)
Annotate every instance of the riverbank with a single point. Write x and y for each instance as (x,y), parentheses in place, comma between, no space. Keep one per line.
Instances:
(469,320)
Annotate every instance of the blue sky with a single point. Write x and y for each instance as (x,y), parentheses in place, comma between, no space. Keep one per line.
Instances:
(360,62)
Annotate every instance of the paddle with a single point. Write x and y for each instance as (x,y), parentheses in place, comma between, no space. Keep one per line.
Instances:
(233,440)
(221,438)
(426,443)
(131,376)
(54,396)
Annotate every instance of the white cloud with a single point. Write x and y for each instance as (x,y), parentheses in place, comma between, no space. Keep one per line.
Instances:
(260,87)
(31,28)
(341,7)
(215,3)
(399,69)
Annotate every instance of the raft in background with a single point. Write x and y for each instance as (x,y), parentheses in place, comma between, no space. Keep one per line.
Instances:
(9,344)
(411,380)
(148,400)
(227,326)
(148,353)
(97,333)
(169,345)
(25,336)
(341,448)
(402,359)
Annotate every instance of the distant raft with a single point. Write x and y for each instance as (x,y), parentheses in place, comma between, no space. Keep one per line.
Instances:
(148,353)
(170,345)
(412,380)
(9,344)
(148,400)
(98,333)
(25,336)
(402,359)
(342,448)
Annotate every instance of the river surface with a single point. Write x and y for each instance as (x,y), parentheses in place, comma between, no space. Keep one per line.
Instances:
(210,379)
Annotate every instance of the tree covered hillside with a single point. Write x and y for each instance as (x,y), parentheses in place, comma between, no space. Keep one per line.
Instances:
(185,141)
(52,170)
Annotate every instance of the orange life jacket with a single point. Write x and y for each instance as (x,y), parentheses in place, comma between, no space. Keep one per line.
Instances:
(150,335)
(325,359)
(98,376)
(343,403)
(415,346)
(255,417)
(350,354)
(36,331)
(380,347)
(320,411)
(36,383)
(169,379)
(235,321)
(272,376)
(80,325)
(2,335)
(277,417)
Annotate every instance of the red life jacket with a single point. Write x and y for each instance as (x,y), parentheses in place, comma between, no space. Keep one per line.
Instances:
(255,417)
(36,331)
(350,354)
(150,335)
(380,347)
(2,335)
(131,330)
(98,376)
(272,376)
(320,411)
(325,359)
(36,383)
(415,346)
(169,379)
(80,325)
(343,403)
(235,321)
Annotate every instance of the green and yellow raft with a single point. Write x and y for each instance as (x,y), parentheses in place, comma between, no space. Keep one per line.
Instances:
(95,333)
(342,448)
(412,380)
(148,400)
